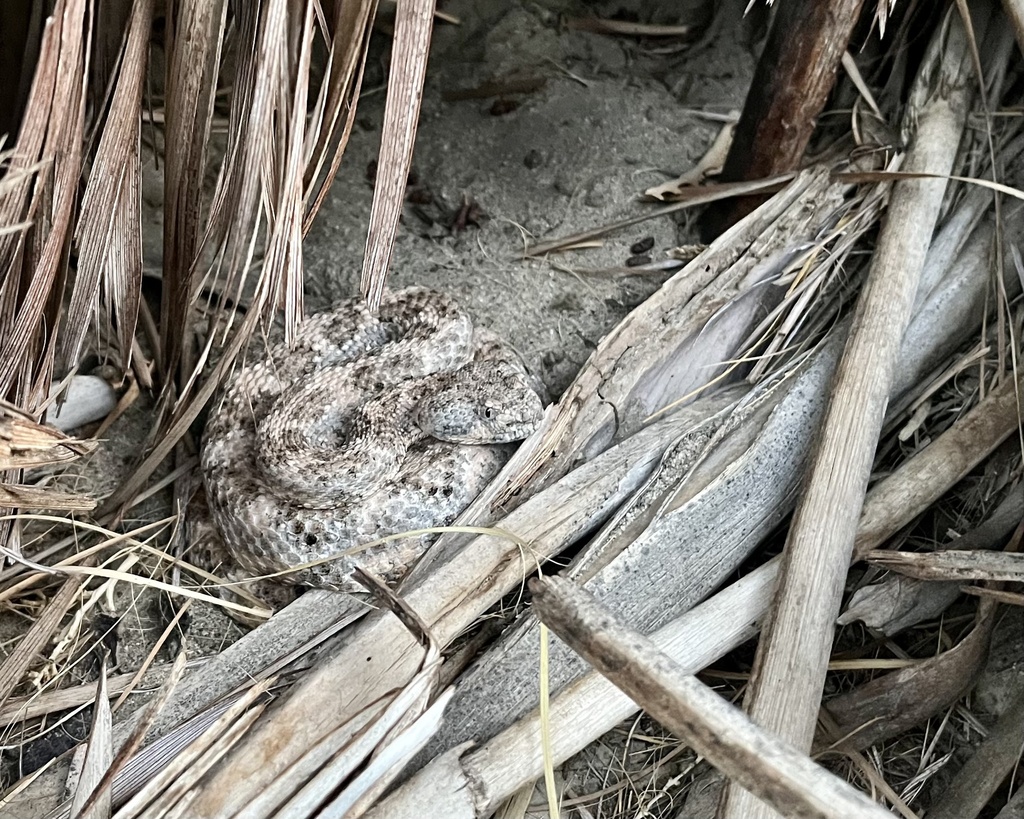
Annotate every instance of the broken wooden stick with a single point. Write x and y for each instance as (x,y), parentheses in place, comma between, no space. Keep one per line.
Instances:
(772,769)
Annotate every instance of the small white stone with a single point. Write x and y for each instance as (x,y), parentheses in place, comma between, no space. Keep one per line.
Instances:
(88,398)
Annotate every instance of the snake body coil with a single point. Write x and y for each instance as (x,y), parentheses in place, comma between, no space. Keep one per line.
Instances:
(364,426)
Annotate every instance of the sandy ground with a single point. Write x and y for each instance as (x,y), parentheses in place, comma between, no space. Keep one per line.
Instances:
(611,119)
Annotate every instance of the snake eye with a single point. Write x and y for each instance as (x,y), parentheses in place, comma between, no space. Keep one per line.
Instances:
(488,412)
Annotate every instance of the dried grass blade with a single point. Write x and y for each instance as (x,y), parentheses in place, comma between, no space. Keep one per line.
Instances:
(172,627)
(126,493)
(92,797)
(414,21)
(25,653)
(194,41)
(352,29)
(689,198)
(168,784)
(110,227)
(169,588)
(23,351)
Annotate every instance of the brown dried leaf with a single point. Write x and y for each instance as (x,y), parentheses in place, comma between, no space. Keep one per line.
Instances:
(52,132)
(889,705)
(413,26)
(109,231)
(194,40)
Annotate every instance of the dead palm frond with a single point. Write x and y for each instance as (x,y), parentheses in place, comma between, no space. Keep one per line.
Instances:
(262,191)
(33,262)
(109,232)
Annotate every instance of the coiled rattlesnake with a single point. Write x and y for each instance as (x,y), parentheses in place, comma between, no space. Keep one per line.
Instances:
(365,426)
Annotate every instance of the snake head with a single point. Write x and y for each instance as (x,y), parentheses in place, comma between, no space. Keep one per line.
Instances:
(483,403)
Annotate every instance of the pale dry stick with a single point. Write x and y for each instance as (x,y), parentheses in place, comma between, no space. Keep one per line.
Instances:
(777,772)
(1009,598)
(29,496)
(896,501)
(952,564)
(22,709)
(789,671)
(414,23)
(739,490)
(590,706)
